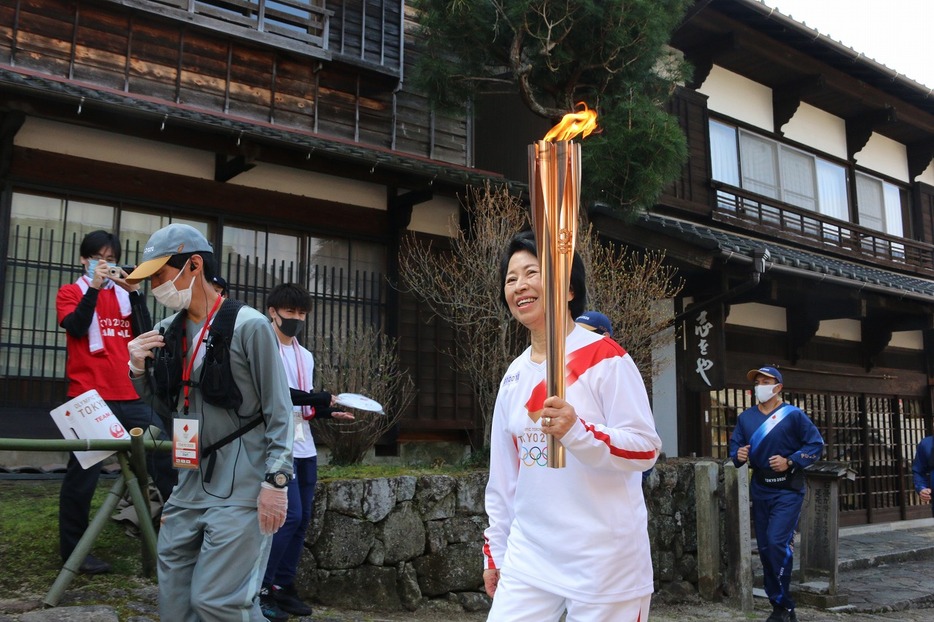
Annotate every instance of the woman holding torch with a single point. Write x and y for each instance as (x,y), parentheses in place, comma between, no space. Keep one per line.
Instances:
(573,538)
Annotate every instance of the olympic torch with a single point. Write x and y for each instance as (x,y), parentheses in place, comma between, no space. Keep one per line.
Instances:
(554,188)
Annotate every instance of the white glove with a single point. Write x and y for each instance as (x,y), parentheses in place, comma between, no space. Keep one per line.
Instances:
(141,349)
(271,505)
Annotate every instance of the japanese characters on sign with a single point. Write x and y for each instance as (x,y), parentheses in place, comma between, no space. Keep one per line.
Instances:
(704,350)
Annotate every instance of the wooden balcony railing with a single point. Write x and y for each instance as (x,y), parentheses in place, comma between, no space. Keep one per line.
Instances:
(817,231)
(303,21)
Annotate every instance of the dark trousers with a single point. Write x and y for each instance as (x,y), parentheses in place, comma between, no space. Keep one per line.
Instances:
(776,513)
(288,542)
(74,503)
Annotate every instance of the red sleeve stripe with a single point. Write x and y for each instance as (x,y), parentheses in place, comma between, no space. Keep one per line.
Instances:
(489,556)
(619,452)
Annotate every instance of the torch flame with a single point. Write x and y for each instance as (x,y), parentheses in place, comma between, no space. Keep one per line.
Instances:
(574,123)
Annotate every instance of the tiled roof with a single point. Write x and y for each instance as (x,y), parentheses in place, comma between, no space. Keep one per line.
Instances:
(858,275)
(86,96)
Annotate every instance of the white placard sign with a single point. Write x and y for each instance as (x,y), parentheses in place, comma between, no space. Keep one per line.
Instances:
(88,417)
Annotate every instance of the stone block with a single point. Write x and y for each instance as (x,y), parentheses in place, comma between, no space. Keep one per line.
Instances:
(402,534)
(457,568)
(345,542)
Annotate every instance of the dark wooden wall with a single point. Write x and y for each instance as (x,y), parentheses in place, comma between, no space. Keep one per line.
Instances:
(691,190)
(352,97)
(923,199)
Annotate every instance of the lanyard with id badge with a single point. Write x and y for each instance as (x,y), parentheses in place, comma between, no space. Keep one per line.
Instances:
(185,427)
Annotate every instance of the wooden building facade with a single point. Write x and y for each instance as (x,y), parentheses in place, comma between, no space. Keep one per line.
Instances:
(283,129)
(802,224)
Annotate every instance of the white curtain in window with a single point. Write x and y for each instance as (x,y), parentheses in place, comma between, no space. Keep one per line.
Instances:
(799,184)
(893,209)
(831,190)
(724,160)
(760,170)
(869,197)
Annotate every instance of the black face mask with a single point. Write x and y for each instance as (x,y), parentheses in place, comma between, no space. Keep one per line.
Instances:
(291,327)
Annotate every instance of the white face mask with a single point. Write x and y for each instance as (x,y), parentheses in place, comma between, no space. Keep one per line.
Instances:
(168,295)
(764,392)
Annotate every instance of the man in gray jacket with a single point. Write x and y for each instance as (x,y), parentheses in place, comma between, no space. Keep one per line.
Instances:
(228,399)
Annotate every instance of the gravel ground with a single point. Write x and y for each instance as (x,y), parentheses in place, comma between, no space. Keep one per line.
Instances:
(80,607)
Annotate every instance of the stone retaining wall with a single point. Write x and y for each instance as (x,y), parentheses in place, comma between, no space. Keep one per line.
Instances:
(408,542)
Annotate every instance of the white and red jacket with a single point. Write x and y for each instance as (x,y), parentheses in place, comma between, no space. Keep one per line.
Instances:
(581,530)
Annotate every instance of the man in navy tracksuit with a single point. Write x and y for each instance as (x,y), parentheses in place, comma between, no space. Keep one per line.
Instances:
(922,468)
(778,441)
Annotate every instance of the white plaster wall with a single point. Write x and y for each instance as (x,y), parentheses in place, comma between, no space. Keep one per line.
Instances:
(733,95)
(152,155)
(314,185)
(818,129)
(847,330)
(757,315)
(927,176)
(909,339)
(93,144)
(438,216)
(665,384)
(885,156)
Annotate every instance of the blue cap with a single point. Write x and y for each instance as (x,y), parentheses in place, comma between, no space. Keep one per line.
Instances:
(771,372)
(596,321)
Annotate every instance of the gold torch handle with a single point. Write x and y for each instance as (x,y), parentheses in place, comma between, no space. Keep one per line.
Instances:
(554,175)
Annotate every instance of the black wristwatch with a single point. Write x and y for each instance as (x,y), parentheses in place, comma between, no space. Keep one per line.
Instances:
(278,479)
(790,463)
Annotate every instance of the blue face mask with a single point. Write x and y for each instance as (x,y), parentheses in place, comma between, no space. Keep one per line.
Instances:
(92,266)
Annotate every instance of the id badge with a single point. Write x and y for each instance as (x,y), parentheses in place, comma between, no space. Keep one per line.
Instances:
(185,454)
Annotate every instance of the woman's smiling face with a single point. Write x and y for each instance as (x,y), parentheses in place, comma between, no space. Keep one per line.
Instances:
(523,289)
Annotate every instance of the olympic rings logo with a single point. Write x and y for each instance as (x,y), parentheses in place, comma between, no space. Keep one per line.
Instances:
(534,455)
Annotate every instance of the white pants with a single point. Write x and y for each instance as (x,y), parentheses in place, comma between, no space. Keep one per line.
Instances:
(516,601)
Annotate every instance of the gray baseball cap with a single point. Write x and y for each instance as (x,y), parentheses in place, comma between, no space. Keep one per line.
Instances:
(174,239)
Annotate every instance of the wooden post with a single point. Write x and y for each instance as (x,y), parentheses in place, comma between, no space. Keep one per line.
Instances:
(738,538)
(706,475)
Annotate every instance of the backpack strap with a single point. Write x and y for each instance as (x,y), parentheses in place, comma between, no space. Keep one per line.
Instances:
(165,367)
(209,451)
(216,381)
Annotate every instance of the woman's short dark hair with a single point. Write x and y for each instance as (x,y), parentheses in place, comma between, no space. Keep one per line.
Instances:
(96,240)
(289,296)
(178,262)
(525,241)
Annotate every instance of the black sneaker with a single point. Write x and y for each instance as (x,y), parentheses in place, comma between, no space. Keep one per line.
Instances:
(92,565)
(267,604)
(287,598)
(779,614)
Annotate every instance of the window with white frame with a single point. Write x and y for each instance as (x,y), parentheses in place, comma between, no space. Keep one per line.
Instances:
(880,204)
(769,168)
(345,277)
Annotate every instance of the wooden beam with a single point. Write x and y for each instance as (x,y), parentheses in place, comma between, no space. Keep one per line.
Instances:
(920,155)
(859,129)
(801,325)
(787,97)
(400,206)
(10,124)
(226,168)
(877,333)
(703,57)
